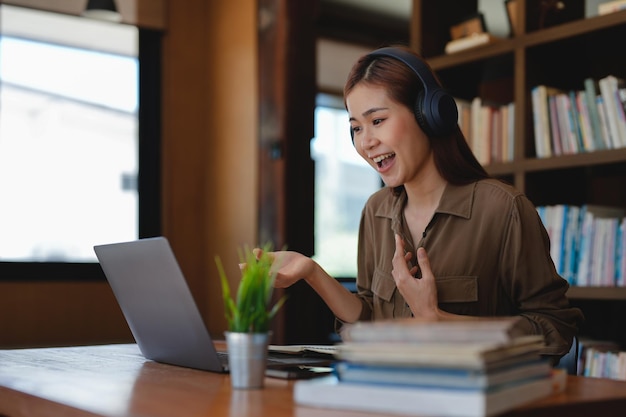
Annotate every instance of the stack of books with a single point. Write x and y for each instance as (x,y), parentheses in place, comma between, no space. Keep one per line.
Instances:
(465,368)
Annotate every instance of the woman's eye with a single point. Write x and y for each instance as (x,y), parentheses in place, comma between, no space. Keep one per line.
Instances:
(356,129)
(377,121)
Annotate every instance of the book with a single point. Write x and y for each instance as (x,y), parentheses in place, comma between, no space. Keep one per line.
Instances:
(554,126)
(508,132)
(591,94)
(482,330)
(611,7)
(571,241)
(466,355)
(568,140)
(471,41)
(541,127)
(604,122)
(441,377)
(608,88)
(620,273)
(575,118)
(329,392)
(584,121)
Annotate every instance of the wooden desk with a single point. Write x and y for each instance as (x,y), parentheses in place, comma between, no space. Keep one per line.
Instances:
(115,380)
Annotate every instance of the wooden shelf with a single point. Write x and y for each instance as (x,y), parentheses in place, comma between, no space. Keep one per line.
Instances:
(506,46)
(540,37)
(597,293)
(603,157)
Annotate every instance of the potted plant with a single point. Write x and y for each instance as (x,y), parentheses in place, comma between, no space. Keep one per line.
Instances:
(248,314)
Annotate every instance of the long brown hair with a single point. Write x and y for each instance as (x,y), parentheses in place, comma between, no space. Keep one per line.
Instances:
(452,155)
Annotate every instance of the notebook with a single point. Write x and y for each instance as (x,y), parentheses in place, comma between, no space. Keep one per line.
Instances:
(160,310)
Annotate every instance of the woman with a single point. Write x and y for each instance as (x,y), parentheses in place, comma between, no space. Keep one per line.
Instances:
(480,246)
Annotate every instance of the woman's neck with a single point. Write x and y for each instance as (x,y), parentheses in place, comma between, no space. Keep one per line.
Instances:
(424,195)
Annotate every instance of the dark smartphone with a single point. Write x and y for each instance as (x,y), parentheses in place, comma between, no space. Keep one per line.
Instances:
(297,371)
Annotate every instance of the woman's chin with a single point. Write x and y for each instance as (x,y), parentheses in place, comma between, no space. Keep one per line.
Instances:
(391,184)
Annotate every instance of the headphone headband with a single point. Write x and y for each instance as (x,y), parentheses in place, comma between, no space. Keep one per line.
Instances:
(435,110)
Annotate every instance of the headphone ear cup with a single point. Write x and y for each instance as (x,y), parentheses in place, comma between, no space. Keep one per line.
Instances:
(436,114)
(418,111)
(443,113)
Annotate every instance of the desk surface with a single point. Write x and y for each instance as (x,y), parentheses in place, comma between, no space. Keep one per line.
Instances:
(115,380)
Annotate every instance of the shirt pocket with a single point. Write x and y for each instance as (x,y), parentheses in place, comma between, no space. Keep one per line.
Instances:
(457,289)
(383,289)
(458,294)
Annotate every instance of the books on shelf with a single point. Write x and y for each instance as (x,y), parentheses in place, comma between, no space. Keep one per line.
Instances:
(470,41)
(601,359)
(329,392)
(588,243)
(568,122)
(492,144)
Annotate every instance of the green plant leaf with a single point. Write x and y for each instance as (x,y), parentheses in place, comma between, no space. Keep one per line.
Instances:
(251,310)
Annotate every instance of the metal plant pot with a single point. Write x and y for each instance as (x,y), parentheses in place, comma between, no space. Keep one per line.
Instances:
(247,359)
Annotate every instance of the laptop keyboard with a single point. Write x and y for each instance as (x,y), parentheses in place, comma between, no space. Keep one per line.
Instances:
(223,358)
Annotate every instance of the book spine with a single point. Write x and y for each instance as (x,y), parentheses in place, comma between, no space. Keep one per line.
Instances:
(576,121)
(619,108)
(604,123)
(610,108)
(585,122)
(511,131)
(592,110)
(564,126)
(554,125)
(620,279)
(540,121)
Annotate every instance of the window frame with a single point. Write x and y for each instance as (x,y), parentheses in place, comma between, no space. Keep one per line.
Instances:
(148,178)
(334,100)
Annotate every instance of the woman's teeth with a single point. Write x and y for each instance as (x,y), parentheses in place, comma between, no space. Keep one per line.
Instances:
(378,159)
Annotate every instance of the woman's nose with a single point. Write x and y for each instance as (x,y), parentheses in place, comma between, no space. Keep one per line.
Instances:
(368,140)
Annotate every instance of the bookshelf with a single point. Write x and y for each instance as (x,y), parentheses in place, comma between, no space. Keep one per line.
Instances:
(568,49)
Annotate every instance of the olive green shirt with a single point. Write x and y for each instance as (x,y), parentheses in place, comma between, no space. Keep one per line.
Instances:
(488,250)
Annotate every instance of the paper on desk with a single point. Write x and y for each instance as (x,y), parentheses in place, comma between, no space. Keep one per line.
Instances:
(301,349)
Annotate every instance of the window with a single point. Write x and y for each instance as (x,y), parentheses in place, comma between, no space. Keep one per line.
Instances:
(69,137)
(343,183)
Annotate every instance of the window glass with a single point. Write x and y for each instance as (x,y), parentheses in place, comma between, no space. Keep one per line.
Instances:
(343,182)
(68,147)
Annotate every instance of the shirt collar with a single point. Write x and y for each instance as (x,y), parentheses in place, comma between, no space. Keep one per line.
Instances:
(456,200)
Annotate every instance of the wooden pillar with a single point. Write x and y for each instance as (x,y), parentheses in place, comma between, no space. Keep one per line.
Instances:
(287,91)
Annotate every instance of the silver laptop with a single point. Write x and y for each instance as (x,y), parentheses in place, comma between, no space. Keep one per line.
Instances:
(158,306)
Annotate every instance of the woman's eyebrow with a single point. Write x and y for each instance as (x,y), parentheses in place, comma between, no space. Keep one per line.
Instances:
(368,112)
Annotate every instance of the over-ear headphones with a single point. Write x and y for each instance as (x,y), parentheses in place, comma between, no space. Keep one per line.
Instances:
(435,110)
